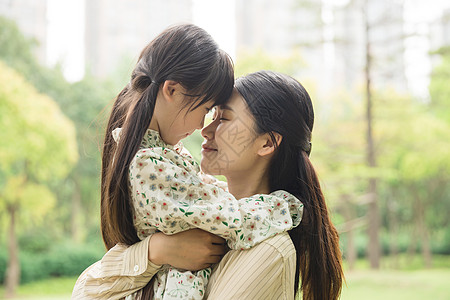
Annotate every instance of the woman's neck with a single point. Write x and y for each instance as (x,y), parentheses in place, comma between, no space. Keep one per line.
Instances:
(246,184)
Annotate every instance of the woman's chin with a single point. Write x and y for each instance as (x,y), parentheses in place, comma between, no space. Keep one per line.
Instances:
(207,168)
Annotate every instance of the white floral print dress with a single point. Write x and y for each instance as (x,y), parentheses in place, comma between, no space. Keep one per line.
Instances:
(168,195)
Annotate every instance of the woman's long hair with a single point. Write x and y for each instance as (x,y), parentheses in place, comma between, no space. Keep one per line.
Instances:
(185,54)
(280,104)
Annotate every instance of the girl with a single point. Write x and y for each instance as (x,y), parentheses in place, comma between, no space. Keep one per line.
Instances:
(149,182)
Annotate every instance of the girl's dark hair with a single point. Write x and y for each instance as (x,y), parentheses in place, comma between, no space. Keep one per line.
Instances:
(280,104)
(185,54)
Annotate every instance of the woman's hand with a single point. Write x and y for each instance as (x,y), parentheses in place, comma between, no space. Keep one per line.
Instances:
(192,250)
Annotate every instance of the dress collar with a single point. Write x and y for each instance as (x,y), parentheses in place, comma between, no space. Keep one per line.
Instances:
(152,139)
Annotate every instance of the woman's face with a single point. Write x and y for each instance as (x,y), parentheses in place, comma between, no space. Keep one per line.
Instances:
(230,144)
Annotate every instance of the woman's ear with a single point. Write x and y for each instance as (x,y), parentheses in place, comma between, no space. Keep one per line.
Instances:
(170,89)
(268,145)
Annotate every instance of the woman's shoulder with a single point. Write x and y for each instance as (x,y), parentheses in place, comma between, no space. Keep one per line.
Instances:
(280,244)
(278,247)
(265,271)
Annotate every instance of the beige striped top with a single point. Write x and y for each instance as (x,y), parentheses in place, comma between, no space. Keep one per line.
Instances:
(122,271)
(266,271)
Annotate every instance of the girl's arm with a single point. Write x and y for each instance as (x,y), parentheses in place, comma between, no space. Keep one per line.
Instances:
(126,269)
(168,195)
(192,250)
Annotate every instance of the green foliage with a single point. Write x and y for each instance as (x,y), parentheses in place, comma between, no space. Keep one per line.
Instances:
(36,132)
(412,140)
(252,61)
(83,103)
(16,49)
(439,86)
(17,53)
(62,259)
(441,242)
(3,263)
(38,144)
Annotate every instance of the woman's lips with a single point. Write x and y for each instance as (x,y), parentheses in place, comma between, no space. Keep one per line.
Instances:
(206,148)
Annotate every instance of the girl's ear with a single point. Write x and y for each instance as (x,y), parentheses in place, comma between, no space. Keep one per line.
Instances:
(170,89)
(268,146)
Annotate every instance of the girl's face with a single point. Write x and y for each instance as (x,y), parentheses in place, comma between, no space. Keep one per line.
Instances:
(231,143)
(186,121)
(175,124)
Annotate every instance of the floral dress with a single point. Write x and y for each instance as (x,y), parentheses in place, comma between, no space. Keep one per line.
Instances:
(169,195)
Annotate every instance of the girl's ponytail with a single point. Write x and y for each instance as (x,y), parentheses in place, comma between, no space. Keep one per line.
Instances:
(134,118)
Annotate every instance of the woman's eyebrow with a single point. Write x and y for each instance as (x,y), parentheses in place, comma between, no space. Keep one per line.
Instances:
(225,106)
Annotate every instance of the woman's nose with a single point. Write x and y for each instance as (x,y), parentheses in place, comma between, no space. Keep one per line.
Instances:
(209,130)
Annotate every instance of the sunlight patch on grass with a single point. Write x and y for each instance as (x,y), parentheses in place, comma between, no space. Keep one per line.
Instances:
(387,285)
(53,288)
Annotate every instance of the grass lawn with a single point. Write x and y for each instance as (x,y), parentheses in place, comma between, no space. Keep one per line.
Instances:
(409,283)
(398,285)
(52,289)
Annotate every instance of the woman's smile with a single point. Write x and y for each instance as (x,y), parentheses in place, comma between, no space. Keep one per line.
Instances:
(208,148)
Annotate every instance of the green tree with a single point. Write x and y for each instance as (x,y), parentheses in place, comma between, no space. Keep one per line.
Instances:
(439,87)
(38,145)
(83,103)
(338,155)
(413,145)
(256,60)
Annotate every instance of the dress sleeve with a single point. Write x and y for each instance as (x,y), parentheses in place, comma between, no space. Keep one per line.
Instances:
(208,179)
(122,271)
(169,196)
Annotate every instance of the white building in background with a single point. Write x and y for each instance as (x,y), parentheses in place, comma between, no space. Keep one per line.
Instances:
(330,40)
(281,28)
(120,29)
(386,38)
(439,31)
(31,18)
(264,24)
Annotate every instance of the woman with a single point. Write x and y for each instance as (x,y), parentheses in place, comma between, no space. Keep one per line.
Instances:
(274,115)
(260,141)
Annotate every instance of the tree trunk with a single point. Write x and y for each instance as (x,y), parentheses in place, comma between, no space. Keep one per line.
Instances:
(373,212)
(349,214)
(393,230)
(75,212)
(413,242)
(13,269)
(423,231)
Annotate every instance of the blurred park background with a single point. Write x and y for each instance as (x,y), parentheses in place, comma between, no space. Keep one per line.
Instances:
(379,75)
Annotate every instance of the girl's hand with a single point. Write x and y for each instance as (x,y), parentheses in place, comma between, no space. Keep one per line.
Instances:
(192,250)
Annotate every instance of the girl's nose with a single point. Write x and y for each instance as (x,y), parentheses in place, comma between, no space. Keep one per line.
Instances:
(202,123)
